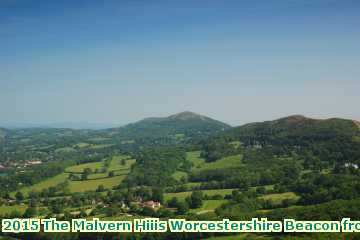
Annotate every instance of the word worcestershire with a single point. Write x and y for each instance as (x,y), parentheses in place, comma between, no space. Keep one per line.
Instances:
(18,225)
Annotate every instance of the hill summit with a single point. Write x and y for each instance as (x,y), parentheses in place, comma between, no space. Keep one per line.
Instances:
(187,123)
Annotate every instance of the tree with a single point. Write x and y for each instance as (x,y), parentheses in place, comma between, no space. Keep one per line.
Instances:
(173,202)
(19,196)
(100,188)
(158,194)
(182,207)
(123,162)
(196,199)
(30,212)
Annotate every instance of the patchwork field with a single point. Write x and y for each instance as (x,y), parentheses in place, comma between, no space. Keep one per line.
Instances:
(200,164)
(94,180)
(9,209)
(208,206)
(212,192)
(279,197)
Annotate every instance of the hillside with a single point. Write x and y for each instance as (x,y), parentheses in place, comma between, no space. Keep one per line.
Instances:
(295,129)
(184,124)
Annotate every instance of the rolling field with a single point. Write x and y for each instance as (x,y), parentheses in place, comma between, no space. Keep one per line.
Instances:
(200,164)
(208,206)
(279,197)
(51,182)
(183,195)
(80,168)
(94,180)
(226,162)
(195,158)
(91,185)
(9,209)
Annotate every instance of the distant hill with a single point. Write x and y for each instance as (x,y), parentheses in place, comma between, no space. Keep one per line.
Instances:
(335,138)
(298,126)
(184,123)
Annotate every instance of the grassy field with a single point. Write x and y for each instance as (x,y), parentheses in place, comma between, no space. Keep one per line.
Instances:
(91,185)
(116,165)
(51,182)
(226,162)
(80,168)
(82,145)
(178,175)
(195,158)
(94,180)
(98,146)
(183,195)
(65,149)
(9,209)
(208,206)
(200,164)
(279,197)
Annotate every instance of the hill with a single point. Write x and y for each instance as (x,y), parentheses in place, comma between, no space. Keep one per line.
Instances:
(184,124)
(296,128)
(335,139)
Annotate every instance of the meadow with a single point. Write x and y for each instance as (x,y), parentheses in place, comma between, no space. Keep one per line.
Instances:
(94,180)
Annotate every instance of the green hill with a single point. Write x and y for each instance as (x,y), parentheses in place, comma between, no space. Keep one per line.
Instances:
(184,124)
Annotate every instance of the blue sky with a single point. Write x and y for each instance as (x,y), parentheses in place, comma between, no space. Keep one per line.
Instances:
(120,61)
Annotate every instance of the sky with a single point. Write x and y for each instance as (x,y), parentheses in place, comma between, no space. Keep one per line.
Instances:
(116,62)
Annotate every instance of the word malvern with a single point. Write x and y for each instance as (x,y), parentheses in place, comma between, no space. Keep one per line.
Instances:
(177,225)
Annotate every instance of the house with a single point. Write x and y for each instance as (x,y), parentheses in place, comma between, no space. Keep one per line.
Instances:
(151,204)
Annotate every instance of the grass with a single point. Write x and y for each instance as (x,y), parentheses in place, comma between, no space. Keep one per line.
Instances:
(65,149)
(226,162)
(80,168)
(116,165)
(94,180)
(92,185)
(212,192)
(98,139)
(279,197)
(9,209)
(51,182)
(208,206)
(82,145)
(99,146)
(199,163)
(178,175)
(195,158)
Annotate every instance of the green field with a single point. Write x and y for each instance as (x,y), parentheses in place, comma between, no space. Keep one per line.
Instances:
(82,145)
(178,175)
(94,180)
(91,185)
(226,162)
(51,182)
(279,197)
(9,209)
(65,149)
(195,158)
(199,164)
(183,195)
(80,168)
(208,206)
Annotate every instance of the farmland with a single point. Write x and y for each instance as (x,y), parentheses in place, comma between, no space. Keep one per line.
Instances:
(93,181)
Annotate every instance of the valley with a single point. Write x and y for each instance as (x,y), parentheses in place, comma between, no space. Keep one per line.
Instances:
(290,167)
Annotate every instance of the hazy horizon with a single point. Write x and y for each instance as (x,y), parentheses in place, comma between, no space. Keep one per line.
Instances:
(117,62)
